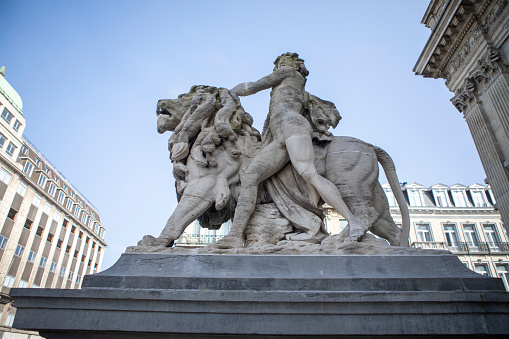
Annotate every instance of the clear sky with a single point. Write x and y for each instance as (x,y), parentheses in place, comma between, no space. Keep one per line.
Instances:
(90,74)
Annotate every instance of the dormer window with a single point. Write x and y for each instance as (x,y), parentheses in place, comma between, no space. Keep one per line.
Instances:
(441,199)
(414,196)
(478,198)
(390,198)
(459,198)
(42,180)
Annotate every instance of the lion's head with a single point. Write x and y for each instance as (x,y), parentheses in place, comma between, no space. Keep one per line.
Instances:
(170,111)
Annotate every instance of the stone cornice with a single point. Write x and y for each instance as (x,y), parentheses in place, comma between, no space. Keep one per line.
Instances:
(461,27)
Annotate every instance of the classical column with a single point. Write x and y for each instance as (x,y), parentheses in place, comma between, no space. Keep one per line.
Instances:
(484,101)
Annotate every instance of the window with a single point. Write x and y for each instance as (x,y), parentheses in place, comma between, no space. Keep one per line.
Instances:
(62,272)
(40,230)
(451,236)
(24,149)
(50,237)
(22,189)
(36,200)
(101,234)
(68,249)
(76,254)
(503,273)
(71,273)
(37,162)
(9,320)
(89,222)
(478,199)
(415,198)
(47,208)
(96,228)
(9,281)
(470,235)
(57,215)
(77,211)
(73,229)
(59,243)
(441,199)
(78,279)
(7,116)
(88,240)
(459,198)
(48,171)
(53,267)
(19,250)
(93,244)
(481,269)
(84,218)
(16,126)
(28,224)
(2,141)
(491,235)
(423,232)
(43,261)
(83,258)
(22,284)
(52,189)
(65,222)
(42,180)
(10,149)
(3,242)
(69,204)
(5,176)
(390,198)
(28,168)
(31,256)
(61,197)
(81,235)
(12,214)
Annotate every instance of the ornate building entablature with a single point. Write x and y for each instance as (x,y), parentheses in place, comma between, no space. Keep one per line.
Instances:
(460,29)
(486,70)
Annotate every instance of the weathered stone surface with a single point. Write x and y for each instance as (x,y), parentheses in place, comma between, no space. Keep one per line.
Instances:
(200,296)
(224,168)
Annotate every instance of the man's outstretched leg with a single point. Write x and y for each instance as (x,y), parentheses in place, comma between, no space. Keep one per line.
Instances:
(267,163)
(302,157)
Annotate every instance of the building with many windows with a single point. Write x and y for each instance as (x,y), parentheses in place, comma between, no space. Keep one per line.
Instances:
(457,218)
(50,234)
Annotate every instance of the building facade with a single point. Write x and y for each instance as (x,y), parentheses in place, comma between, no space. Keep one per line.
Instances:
(469,48)
(457,218)
(50,235)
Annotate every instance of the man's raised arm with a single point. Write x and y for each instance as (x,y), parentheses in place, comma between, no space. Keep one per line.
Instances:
(269,81)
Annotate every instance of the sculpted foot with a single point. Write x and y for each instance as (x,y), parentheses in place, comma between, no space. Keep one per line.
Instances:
(149,240)
(357,230)
(230,241)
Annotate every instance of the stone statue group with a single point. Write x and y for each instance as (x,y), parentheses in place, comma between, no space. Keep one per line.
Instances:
(272,185)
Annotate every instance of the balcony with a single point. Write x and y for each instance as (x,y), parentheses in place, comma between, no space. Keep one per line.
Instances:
(197,240)
(466,247)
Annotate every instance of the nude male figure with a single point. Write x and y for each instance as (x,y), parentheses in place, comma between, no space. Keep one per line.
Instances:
(292,142)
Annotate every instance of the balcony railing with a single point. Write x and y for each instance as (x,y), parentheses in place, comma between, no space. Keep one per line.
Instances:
(196,239)
(465,247)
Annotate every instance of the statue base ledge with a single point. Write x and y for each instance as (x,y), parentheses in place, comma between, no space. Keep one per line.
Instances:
(241,296)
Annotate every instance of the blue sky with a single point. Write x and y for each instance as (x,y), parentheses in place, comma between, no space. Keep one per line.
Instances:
(90,74)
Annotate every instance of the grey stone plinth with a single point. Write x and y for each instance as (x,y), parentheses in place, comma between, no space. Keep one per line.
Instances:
(165,295)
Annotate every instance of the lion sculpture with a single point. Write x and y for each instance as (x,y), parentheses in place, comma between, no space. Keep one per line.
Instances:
(213,142)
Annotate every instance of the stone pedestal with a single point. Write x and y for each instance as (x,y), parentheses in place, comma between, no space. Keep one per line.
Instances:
(198,296)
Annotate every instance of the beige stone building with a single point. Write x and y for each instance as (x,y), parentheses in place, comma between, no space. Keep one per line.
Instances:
(457,218)
(50,235)
(469,48)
